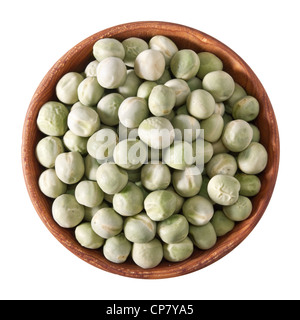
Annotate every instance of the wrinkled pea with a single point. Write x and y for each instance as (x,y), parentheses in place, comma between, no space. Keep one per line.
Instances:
(52,119)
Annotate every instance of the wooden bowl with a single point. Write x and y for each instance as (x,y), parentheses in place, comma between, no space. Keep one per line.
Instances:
(75,60)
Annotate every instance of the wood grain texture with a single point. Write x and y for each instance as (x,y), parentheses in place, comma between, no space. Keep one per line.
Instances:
(75,60)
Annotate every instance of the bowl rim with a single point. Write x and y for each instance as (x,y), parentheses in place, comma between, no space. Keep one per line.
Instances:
(168,270)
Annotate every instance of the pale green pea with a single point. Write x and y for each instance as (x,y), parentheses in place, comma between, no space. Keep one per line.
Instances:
(200,104)
(75,143)
(88,193)
(204,237)
(220,108)
(160,204)
(161,100)
(130,154)
(187,182)
(223,189)
(91,166)
(132,111)
(47,149)
(203,153)
(221,223)
(256,133)
(185,64)
(156,132)
(237,135)
(250,184)
(186,127)
(222,163)
(220,84)
(69,167)
(240,210)
(67,86)
(194,83)
(108,108)
(66,211)
(238,93)
(102,143)
(147,255)
(165,45)
(149,65)
(246,109)
(111,178)
(139,228)
(107,223)
(198,210)
(90,92)
(83,121)
(253,159)
(145,89)
(50,185)
(213,127)
(179,251)
(131,85)
(108,47)
(87,238)
(179,155)
(111,73)
(91,69)
(117,248)
(173,229)
(52,119)
(129,201)
(208,62)
(155,176)
(133,46)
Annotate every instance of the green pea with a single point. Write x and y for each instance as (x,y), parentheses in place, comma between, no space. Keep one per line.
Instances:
(246,109)
(117,248)
(204,237)
(240,210)
(160,204)
(221,223)
(173,229)
(250,184)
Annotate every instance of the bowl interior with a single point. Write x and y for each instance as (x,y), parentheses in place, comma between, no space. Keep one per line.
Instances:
(75,60)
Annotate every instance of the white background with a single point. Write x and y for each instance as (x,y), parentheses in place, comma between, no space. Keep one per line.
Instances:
(34,35)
